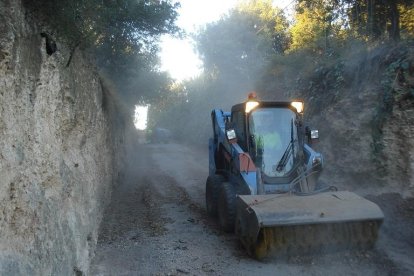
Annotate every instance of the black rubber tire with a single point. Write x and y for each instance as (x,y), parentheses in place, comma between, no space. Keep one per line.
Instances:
(227,207)
(213,186)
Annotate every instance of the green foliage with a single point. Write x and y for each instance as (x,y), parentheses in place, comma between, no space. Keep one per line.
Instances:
(398,78)
(314,24)
(185,110)
(231,47)
(407,20)
(318,58)
(125,26)
(121,35)
(234,51)
(397,81)
(317,21)
(238,45)
(270,23)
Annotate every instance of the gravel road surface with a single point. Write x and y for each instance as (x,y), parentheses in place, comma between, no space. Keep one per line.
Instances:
(156,224)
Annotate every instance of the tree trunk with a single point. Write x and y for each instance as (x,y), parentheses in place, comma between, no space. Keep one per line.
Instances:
(370,19)
(394,16)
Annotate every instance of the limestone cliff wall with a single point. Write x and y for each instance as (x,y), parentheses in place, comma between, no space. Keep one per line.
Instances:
(58,147)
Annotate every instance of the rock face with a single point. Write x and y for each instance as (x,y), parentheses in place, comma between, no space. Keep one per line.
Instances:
(367,135)
(398,142)
(58,147)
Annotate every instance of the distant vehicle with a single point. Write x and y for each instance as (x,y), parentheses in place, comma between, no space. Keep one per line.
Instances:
(161,135)
(262,184)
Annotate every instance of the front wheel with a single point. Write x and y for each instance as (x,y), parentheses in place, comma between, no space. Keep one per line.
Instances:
(213,186)
(227,207)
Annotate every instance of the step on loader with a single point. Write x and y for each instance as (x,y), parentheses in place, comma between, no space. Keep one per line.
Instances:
(263,184)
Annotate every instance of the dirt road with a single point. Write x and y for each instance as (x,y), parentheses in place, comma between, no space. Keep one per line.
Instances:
(157,225)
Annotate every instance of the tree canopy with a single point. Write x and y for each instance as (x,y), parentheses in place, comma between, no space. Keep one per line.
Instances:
(254,42)
(239,44)
(369,20)
(121,35)
(255,46)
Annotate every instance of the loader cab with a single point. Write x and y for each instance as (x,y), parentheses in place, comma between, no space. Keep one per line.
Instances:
(271,134)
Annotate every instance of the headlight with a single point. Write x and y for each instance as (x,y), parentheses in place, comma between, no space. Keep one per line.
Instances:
(298,105)
(250,105)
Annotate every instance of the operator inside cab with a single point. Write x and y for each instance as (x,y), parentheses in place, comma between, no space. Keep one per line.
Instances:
(263,125)
(272,131)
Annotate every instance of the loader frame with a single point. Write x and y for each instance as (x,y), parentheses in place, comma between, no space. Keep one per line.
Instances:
(274,214)
(233,161)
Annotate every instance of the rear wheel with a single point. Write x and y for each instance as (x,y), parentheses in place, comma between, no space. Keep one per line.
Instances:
(213,186)
(227,207)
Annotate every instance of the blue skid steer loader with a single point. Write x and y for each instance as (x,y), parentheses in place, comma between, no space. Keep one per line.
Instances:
(262,184)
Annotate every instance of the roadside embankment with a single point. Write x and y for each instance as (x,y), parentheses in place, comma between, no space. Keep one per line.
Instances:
(60,150)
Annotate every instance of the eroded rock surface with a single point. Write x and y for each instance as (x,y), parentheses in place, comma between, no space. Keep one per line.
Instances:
(57,152)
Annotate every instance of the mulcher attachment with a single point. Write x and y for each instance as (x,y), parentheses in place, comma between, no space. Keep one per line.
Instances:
(287,224)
